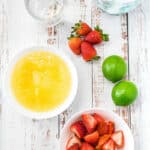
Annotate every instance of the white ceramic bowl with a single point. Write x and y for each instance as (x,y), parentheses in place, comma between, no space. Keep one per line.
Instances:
(108,115)
(40,115)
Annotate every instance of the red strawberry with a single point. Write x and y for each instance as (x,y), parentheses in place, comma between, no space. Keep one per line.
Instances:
(96,36)
(118,138)
(102,140)
(103,128)
(74,147)
(72,141)
(78,128)
(81,28)
(88,52)
(92,138)
(110,145)
(75,44)
(89,122)
(98,117)
(111,127)
(86,146)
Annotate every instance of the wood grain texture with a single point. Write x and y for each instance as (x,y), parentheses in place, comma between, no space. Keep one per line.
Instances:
(3,36)
(139,72)
(129,38)
(81,11)
(116,26)
(20,132)
(3,52)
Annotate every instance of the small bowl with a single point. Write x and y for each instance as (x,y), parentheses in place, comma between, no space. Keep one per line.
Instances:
(108,115)
(40,115)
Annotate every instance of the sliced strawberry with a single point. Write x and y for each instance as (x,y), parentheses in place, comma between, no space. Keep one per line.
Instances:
(102,140)
(111,127)
(74,147)
(92,138)
(89,122)
(86,146)
(110,145)
(103,128)
(118,138)
(98,117)
(78,128)
(72,141)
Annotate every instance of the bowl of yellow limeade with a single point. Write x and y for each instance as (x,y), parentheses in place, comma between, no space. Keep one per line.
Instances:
(41,82)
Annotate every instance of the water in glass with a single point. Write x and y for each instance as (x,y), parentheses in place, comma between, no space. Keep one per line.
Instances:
(118,6)
(45,10)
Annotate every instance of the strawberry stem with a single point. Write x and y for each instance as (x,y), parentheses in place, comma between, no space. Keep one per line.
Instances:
(76,26)
(96,58)
(97,28)
(105,37)
(72,35)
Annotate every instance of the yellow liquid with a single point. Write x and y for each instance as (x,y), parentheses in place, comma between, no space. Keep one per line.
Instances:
(41,81)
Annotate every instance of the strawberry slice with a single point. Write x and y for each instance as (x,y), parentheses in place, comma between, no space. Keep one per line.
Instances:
(78,128)
(102,140)
(103,128)
(110,145)
(111,127)
(118,138)
(72,141)
(92,138)
(86,146)
(74,147)
(90,122)
(98,117)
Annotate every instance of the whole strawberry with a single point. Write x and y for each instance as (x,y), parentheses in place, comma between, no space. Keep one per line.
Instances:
(96,36)
(75,44)
(88,52)
(81,28)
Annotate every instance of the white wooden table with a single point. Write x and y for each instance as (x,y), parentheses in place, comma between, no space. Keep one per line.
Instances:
(129,38)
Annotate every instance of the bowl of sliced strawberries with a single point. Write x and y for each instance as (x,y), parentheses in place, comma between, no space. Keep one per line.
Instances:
(96,129)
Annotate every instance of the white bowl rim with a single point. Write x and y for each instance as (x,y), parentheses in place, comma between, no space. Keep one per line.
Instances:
(40,115)
(92,110)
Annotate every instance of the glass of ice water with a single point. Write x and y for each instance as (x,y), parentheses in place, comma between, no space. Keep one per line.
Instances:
(118,6)
(48,11)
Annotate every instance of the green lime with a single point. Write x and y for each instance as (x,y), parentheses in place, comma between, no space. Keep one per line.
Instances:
(114,68)
(124,93)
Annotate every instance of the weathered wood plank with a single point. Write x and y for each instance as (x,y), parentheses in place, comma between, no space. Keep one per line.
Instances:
(3,36)
(77,10)
(3,52)
(116,26)
(139,71)
(22,31)
(20,132)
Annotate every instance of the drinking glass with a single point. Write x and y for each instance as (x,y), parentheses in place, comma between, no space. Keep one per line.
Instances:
(49,11)
(118,6)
